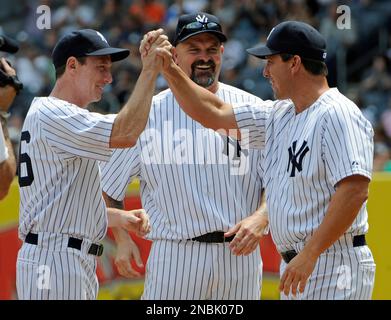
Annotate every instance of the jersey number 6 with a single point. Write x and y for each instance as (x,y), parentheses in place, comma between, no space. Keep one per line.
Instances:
(24,158)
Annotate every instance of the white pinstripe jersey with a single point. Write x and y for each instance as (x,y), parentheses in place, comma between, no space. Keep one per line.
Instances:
(188,184)
(306,154)
(60,190)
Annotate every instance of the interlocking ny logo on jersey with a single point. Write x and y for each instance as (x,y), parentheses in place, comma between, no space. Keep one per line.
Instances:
(202,19)
(296,158)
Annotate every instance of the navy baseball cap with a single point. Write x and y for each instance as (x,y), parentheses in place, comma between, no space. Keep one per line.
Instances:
(293,37)
(82,43)
(195,23)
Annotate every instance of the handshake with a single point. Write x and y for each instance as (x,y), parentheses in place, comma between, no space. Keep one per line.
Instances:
(156,50)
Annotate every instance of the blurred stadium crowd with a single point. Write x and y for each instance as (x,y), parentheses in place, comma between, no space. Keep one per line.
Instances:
(359,58)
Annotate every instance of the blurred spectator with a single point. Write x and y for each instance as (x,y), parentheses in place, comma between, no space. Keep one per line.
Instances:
(234,55)
(252,80)
(73,15)
(338,40)
(376,84)
(194,5)
(150,13)
(31,66)
(385,120)
(382,151)
(299,11)
(370,15)
(109,17)
(250,20)
(224,10)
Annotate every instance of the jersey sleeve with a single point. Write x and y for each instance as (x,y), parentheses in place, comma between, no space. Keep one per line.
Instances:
(347,145)
(251,120)
(72,131)
(122,168)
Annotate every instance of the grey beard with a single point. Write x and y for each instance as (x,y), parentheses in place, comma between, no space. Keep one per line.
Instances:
(205,81)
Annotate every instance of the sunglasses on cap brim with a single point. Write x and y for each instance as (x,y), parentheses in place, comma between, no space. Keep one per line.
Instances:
(198,26)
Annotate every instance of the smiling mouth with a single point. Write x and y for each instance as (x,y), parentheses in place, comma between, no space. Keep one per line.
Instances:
(200,66)
(203,67)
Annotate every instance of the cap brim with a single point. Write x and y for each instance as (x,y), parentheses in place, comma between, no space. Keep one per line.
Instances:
(261,51)
(218,34)
(116,54)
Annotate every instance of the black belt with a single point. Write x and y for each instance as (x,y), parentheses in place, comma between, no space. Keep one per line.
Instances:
(95,249)
(358,241)
(213,237)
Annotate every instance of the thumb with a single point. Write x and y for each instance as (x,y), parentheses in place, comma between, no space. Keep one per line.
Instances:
(232,231)
(138,212)
(131,217)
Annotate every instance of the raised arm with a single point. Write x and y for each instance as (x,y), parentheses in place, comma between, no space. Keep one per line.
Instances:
(200,104)
(132,119)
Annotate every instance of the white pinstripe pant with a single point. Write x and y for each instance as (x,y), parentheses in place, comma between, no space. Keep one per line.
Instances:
(346,273)
(52,271)
(187,270)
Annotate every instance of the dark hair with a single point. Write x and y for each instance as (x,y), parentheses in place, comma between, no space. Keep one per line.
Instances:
(315,67)
(60,70)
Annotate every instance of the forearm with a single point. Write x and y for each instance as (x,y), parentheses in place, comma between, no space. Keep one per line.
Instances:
(133,117)
(112,205)
(113,217)
(262,211)
(8,166)
(200,104)
(262,207)
(120,235)
(343,209)
(7,96)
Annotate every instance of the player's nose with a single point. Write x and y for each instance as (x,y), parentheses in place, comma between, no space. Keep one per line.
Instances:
(265,71)
(108,78)
(204,56)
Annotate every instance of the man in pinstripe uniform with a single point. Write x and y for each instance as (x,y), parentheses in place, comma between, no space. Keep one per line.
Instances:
(195,185)
(318,162)
(62,212)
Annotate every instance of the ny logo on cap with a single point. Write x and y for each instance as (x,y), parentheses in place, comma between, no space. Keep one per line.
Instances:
(202,19)
(101,36)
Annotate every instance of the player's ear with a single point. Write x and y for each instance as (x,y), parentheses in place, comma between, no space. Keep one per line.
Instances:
(222,48)
(71,63)
(295,63)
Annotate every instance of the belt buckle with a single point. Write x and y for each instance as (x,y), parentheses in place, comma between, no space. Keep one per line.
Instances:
(96,249)
(99,250)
